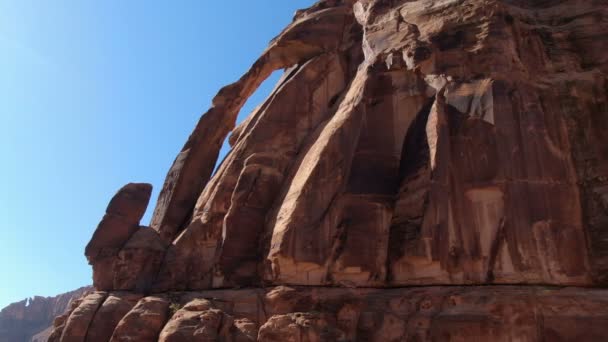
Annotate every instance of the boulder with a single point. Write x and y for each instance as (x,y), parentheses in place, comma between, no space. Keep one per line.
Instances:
(144,321)
(116,228)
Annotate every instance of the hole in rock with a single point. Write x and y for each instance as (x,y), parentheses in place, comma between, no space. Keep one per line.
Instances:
(257,98)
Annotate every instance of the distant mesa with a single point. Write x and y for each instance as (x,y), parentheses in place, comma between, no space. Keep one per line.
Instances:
(32,318)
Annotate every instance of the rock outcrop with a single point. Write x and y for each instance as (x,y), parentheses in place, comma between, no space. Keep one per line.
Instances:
(308,314)
(428,143)
(32,319)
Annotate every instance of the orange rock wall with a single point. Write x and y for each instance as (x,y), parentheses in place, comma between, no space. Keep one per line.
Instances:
(409,143)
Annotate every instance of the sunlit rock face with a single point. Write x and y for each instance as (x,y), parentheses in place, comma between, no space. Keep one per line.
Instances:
(430,142)
(32,319)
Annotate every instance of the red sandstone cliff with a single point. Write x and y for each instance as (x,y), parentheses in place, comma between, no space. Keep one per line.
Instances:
(31,319)
(457,146)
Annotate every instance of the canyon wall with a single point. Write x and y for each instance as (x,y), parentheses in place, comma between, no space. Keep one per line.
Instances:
(32,318)
(431,170)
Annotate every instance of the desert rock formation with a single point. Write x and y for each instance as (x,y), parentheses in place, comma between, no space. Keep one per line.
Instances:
(430,170)
(32,318)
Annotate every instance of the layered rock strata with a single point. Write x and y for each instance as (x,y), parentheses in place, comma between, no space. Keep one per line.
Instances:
(32,319)
(409,143)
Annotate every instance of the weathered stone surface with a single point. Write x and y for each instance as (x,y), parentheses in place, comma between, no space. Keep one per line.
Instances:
(119,223)
(122,218)
(144,322)
(299,327)
(451,313)
(198,321)
(32,319)
(77,325)
(448,145)
(475,174)
(136,265)
(249,180)
(312,33)
(424,142)
(59,321)
(113,309)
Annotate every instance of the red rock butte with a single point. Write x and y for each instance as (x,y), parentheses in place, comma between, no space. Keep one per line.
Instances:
(431,170)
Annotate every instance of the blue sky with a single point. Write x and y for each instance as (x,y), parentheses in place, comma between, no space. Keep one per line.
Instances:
(96,94)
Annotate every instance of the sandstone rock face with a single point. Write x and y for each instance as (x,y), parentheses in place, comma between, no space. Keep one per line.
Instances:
(144,322)
(123,254)
(451,313)
(424,142)
(32,319)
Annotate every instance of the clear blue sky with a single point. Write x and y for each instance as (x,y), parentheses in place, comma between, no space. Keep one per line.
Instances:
(96,94)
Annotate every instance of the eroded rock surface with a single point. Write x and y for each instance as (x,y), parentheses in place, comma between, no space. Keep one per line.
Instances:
(452,313)
(32,319)
(428,142)
(144,322)
(109,245)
